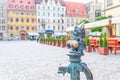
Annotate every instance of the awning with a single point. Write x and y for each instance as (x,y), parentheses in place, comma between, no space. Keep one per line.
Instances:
(97,24)
(49,31)
(33,33)
(60,33)
(102,23)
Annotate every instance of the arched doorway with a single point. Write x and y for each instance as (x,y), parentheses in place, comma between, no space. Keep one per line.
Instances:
(22,36)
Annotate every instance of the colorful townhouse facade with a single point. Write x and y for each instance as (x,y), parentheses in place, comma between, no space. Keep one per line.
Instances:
(3,20)
(75,12)
(51,16)
(21,19)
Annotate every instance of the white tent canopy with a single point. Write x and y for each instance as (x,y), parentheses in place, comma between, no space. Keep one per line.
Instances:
(101,23)
(33,34)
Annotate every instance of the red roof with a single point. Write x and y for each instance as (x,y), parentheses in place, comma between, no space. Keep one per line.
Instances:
(25,4)
(75,9)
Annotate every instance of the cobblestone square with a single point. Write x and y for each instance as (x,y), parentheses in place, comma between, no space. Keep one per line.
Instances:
(28,60)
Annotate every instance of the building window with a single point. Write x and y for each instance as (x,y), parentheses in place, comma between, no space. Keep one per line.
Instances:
(68,20)
(27,13)
(22,28)
(39,20)
(11,35)
(48,27)
(58,9)
(33,20)
(48,8)
(3,21)
(16,6)
(62,9)
(62,21)
(38,7)
(43,13)
(58,27)
(32,28)
(11,19)
(53,27)
(54,14)
(62,28)
(53,8)
(22,7)
(48,14)
(22,20)
(109,2)
(20,1)
(17,19)
(17,28)
(27,20)
(32,13)
(11,27)
(43,7)
(27,28)
(58,21)
(53,21)
(28,2)
(22,13)
(17,12)
(3,27)
(11,6)
(76,11)
(32,7)
(27,7)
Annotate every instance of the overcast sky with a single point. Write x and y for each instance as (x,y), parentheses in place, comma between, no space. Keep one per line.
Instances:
(84,1)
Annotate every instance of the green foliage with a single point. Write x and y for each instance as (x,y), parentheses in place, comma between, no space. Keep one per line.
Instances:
(63,39)
(101,18)
(100,40)
(50,39)
(58,40)
(99,29)
(87,42)
(85,21)
(105,41)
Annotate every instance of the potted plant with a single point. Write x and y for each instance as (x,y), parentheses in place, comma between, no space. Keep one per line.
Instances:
(54,41)
(58,42)
(87,42)
(103,49)
(63,41)
(50,39)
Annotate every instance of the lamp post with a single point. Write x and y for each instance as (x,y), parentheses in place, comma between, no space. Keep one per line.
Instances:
(110,26)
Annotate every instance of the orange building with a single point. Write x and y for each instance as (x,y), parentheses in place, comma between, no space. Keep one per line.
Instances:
(21,19)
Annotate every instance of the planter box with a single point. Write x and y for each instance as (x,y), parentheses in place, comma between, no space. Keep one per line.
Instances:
(102,50)
(88,49)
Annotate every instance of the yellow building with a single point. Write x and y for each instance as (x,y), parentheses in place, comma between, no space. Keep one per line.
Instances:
(21,19)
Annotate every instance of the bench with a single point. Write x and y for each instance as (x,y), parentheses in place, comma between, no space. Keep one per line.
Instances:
(113,45)
(93,44)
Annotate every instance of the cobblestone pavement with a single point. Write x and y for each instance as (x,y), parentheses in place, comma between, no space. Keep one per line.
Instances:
(28,60)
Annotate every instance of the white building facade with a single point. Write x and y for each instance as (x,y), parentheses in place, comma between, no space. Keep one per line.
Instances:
(3,20)
(51,16)
(112,8)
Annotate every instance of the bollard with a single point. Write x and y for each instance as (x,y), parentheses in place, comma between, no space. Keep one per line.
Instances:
(76,66)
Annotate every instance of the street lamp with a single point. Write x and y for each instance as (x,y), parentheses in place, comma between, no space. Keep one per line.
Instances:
(110,26)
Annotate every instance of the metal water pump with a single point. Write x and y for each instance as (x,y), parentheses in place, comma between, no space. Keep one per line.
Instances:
(77,46)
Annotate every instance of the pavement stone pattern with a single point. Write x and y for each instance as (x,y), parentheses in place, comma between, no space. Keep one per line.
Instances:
(29,60)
